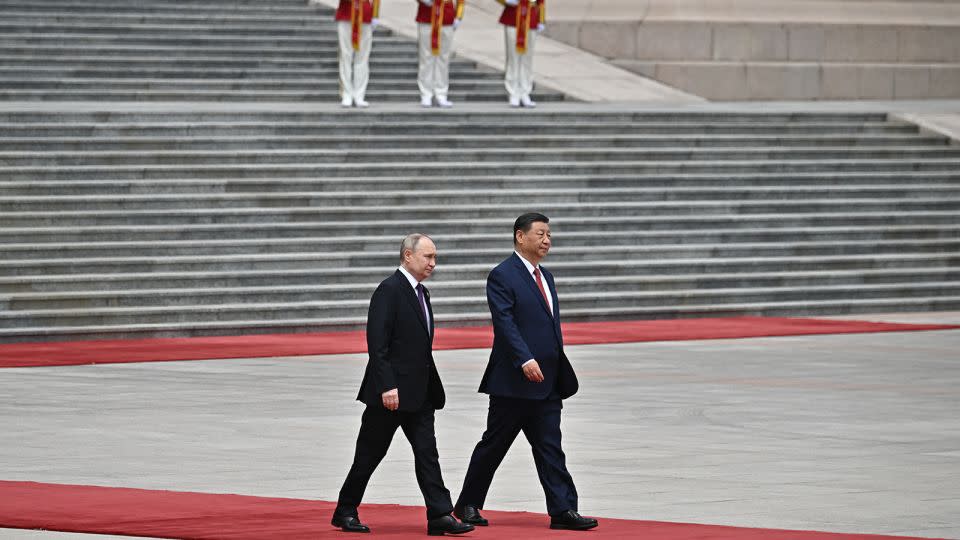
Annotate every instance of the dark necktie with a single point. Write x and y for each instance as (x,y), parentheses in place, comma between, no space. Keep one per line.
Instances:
(543,291)
(423,305)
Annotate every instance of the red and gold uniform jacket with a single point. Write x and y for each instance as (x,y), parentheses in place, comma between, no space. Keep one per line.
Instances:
(525,16)
(357,13)
(441,13)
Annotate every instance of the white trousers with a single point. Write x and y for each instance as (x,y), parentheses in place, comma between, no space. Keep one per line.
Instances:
(354,65)
(518,75)
(433,77)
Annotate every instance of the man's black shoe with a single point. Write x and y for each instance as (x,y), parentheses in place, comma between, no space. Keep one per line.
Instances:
(349,524)
(447,525)
(573,521)
(470,514)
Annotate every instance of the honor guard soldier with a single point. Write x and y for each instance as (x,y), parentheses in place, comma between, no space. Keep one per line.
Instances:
(436,22)
(521,20)
(356,20)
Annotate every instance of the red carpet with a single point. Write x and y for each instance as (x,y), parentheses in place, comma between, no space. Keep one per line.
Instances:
(189,516)
(207,348)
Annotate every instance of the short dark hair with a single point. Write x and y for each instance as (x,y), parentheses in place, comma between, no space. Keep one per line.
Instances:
(526,221)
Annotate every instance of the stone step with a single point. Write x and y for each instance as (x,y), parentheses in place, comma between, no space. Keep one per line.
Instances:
(641,225)
(247,96)
(786,80)
(311,27)
(440,198)
(69,242)
(679,130)
(295,87)
(392,46)
(577,116)
(368,156)
(78,60)
(66,291)
(643,259)
(264,142)
(280,238)
(125,254)
(93,285)
(573,302)
(637,291)
(774,181)
(260,41)
(53,332)
(468,169)
(458,70)
(263,20)
(344,214)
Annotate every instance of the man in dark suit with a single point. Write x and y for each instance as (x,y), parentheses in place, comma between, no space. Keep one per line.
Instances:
(527,378)
(401,388)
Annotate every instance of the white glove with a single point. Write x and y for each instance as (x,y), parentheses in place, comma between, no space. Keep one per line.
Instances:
(374,23)
(456,23)
(427,2)
(512,2)
(541,27)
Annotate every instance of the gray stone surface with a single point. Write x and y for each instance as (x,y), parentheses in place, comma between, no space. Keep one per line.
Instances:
(844,433)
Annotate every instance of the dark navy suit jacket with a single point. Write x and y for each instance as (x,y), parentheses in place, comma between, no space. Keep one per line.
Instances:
(523,328)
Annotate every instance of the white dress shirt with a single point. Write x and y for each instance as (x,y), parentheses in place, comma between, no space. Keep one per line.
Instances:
(546,287)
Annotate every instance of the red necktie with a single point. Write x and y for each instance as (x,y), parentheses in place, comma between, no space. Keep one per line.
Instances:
(536,274)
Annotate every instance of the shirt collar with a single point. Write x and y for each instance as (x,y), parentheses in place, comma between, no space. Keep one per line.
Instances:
(413,281)
(526,263)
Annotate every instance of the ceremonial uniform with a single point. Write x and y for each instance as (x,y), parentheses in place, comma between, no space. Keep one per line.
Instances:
(521,20)
(436,22)
(355,22)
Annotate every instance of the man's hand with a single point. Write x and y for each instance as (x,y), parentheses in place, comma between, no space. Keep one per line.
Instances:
(456,23)
(512,2)
(531,370)
(541,27)
(374,23)
(391,399)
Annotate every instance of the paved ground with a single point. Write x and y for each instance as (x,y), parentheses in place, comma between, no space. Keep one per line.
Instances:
(845,433)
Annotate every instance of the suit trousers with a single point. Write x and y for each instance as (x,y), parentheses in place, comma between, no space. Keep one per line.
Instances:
(433,76)
(354,65)
(540,422)
(377,429)
(518,72)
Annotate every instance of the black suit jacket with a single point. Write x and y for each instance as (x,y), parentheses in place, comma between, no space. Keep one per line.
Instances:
(400,348)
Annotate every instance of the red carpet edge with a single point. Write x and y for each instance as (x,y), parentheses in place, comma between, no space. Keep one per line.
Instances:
(208,516)
(274,345)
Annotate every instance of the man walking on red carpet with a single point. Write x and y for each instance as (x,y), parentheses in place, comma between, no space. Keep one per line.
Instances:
(527,377)
(401,388)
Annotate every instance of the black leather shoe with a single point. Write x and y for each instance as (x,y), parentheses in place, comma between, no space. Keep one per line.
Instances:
(349,524)
(447,525)
(470,514)
(573,521)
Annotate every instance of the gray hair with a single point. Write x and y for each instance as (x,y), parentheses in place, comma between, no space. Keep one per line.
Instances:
(411,242)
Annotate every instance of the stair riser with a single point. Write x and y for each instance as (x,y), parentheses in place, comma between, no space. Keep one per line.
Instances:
(636,268)
(63,203)
(388,157)
(229,287)
(275,240)
(358,309)
(441,127)
(484,142)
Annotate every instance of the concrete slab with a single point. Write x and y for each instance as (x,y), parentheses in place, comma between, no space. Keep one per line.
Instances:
(846,433)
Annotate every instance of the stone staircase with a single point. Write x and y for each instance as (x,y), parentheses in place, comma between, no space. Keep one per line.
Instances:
(223,50)
(191,223)
(120,218)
